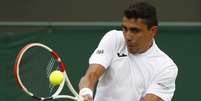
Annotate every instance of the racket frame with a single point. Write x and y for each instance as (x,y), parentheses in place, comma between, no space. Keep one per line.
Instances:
(61,67)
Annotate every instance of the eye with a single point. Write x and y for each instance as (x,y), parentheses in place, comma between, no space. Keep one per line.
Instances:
(135,30)
(124,29)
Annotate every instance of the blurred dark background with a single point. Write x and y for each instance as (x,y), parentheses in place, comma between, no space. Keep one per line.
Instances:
(93,10)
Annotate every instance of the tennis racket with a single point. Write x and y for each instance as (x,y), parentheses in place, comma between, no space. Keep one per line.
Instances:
(32,68)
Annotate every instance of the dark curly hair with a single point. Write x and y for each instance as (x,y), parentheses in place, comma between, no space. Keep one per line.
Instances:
(144,11)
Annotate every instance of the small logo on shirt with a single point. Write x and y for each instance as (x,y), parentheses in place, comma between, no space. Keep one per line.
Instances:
(100,51)
(121,54)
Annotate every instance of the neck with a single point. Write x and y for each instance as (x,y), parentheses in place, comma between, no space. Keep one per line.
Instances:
(146,47)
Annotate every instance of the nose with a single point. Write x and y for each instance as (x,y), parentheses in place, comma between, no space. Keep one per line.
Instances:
(127,36)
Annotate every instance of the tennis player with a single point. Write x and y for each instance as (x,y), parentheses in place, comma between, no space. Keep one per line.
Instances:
(128,64)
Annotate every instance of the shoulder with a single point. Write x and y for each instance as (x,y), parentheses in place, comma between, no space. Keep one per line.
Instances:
(114,31)
(161,60)
(114,34)
(114,37)
(167,65)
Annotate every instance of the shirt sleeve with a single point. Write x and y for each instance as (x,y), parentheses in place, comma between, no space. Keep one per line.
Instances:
(164,84)
(103,54)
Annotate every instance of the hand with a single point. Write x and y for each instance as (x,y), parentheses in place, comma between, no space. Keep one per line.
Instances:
(86,94)
(87,98)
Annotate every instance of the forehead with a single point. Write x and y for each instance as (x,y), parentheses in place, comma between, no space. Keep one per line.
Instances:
(132,22)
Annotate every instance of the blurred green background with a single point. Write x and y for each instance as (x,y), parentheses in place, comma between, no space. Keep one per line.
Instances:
(75,44)
(74,27)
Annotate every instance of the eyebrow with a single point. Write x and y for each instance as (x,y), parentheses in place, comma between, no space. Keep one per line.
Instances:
(133,29)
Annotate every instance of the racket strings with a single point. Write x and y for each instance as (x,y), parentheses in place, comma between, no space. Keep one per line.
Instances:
(35,68)
(49,70)
(50,66)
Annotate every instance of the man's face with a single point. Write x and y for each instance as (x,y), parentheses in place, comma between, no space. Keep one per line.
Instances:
(137,35)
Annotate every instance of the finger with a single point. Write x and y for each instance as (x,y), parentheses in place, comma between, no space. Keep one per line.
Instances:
(87,98)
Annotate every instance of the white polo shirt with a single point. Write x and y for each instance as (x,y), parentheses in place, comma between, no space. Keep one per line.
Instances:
(130,77)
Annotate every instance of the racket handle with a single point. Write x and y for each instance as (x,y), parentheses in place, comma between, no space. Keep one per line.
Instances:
(79,98)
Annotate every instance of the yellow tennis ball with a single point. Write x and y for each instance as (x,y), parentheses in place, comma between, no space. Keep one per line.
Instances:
(56,77)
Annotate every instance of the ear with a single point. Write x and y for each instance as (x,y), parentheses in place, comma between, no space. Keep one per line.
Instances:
(154,30)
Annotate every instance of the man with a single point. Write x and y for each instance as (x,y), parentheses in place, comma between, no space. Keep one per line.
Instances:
(128,63)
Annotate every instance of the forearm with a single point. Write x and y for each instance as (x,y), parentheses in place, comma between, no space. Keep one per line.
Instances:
(152,97)
(91,77)
(87,82)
